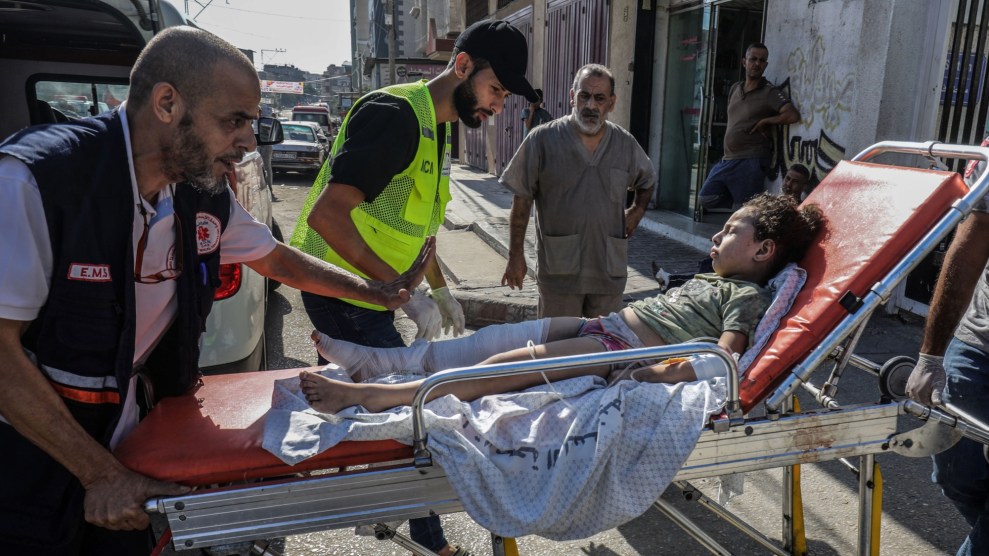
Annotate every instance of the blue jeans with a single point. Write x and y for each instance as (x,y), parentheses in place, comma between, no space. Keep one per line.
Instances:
(732,182)
(962,471)
(343,321)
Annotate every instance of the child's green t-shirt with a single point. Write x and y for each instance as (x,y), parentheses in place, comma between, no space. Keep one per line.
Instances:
(706,305)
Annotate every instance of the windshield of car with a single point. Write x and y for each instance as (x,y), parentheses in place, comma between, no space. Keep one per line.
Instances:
(298,133)
(72,99)
(320,119)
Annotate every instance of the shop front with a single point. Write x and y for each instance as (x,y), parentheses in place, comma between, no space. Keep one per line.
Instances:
(704,53)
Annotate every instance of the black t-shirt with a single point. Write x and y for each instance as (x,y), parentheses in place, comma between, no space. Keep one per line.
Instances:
(382,139)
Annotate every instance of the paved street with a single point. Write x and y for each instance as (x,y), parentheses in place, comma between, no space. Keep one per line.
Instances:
(916,519)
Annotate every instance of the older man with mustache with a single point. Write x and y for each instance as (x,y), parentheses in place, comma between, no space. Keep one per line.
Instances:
(577,171)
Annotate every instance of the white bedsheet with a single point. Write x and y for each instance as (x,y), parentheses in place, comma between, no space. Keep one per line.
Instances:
(524,463)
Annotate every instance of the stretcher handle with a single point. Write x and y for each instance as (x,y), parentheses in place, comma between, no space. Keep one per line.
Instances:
(928,148)
(421,454)
(883,290)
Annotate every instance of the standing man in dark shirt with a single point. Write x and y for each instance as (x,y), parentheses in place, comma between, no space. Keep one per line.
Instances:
(535,115)
(387,190)
(754,106)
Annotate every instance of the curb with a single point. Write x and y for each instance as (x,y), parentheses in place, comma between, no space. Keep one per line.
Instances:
(483,309)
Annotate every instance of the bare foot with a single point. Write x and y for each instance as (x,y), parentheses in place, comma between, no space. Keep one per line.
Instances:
(327,395)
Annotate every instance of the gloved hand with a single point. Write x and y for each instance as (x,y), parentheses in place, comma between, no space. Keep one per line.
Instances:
(453,313)
(424,312)
(927,379)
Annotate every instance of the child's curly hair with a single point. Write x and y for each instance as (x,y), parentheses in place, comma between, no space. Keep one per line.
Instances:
(792,228)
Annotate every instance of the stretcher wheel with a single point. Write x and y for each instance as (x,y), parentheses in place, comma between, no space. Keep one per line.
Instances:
(893,377)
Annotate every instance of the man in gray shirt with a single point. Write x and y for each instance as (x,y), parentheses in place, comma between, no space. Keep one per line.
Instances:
(578,170)
(953,369)
(754,107)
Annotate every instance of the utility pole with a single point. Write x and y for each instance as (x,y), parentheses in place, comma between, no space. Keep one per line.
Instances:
(390,24)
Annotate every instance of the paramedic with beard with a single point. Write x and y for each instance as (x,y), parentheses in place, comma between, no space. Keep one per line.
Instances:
(385,190)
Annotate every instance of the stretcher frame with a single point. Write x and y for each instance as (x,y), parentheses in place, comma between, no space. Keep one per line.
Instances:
(415,486)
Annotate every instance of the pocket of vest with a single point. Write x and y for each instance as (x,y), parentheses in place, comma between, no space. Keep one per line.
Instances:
(88,324)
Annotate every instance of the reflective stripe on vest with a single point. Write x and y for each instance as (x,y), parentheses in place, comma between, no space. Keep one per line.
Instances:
(409,209)
(84,389)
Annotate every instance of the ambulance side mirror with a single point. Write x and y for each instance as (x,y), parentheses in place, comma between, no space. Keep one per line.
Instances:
(269,131)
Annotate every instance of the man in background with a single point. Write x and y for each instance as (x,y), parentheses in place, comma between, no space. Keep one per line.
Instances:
(534,114)
(577,170)
(755,106)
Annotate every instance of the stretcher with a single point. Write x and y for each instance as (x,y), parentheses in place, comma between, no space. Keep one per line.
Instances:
(881,221)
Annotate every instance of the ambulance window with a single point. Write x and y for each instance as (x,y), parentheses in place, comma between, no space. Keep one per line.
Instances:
(59,100)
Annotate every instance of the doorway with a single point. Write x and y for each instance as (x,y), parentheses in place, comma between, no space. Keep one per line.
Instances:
(704,58)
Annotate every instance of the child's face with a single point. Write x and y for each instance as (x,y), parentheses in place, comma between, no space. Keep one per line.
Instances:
(735,249)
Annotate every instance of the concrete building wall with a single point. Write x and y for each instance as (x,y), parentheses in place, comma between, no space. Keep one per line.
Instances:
(859,71)
(621,52)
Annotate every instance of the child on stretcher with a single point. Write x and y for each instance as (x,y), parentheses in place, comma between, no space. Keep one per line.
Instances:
(756,242)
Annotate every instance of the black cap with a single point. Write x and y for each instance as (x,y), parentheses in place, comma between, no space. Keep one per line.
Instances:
(505,48)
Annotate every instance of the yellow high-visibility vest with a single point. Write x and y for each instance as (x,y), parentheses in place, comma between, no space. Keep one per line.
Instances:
(410,208)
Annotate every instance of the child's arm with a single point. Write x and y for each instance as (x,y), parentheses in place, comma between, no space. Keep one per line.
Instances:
(734,341)
(679,369)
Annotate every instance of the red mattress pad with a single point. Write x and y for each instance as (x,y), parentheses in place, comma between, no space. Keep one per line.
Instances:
(213,435)
(874,215)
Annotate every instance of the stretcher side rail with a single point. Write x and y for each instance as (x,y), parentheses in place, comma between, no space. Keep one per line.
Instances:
(882,290)
(732,404)
(296,506)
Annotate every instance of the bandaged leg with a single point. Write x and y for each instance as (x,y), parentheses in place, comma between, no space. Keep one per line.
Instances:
(486,342)
(429,357)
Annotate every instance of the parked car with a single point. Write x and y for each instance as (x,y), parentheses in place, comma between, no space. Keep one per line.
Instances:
(80,54)
(304,149)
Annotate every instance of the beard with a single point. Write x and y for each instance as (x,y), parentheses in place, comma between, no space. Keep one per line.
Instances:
(186,161)
(465,102)
(588,122)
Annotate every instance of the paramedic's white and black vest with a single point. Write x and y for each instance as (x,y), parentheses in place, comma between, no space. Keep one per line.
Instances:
(410,208)
(84,336)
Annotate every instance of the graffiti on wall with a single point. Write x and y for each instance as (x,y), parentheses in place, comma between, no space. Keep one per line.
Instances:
(819,154)
(823,94)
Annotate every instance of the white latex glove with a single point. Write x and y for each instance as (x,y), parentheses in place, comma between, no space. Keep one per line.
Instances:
(424,312)
(927,379)
(453,313)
